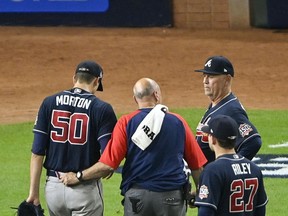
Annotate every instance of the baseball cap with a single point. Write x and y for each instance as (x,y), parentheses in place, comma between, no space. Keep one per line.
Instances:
(217,65)
(222,127)
(92,68)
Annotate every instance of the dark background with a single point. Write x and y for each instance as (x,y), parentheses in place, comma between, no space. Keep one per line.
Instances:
(121,13)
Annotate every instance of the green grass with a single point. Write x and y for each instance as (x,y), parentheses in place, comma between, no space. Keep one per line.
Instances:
(16,139)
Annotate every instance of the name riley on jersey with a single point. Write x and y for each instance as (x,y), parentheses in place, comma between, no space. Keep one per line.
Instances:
(70,100)
(243,168)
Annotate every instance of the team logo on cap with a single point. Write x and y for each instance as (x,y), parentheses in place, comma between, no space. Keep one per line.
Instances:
(83,69)
(232,137)
(208,63)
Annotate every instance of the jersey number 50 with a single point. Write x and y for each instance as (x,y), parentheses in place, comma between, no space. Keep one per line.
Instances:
(72,128)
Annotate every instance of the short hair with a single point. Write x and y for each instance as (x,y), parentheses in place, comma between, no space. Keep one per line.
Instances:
(146,91)
(227,144)
(84,77)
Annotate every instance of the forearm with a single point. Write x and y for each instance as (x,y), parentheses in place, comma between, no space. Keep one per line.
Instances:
(97,171)
(35,175)
(196,176)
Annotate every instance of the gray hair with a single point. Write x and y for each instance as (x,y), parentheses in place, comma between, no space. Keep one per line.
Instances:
(144,87)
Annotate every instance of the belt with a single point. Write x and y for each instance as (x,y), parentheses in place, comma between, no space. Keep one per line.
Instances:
(53,173)
(136,186)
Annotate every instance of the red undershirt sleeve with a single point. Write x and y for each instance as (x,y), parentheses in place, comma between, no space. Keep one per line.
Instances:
(116,148)
(192,153)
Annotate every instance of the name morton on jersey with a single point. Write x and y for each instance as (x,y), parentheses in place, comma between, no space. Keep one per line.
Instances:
(73,101)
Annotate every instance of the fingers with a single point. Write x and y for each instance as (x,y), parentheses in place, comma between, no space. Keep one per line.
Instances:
(35,201)
(63,179)
(69,179)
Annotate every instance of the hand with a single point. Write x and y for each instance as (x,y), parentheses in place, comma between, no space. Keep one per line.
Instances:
(69,179)
(33,199)
(192,200)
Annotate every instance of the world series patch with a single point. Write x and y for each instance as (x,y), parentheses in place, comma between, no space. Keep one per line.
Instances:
(203,192)
(245,129)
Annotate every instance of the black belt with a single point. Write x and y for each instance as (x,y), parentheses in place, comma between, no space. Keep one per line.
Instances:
(136,186)
(51,173)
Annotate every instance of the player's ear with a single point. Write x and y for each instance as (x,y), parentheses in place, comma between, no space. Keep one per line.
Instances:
(214,140)
(157,96)
(74,79)
(96,82)
(228,78)
(135,99)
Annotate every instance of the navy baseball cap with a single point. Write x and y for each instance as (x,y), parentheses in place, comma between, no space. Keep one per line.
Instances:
(92,68)
(222,127)
(217,65)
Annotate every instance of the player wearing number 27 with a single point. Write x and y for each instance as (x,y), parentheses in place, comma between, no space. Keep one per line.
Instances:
(71,130)
(232,184)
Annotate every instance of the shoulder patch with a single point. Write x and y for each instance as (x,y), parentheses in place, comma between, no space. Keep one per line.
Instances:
(203,192)
(245,129)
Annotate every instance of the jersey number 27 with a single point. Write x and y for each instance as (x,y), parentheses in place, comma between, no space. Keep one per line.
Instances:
(239,189)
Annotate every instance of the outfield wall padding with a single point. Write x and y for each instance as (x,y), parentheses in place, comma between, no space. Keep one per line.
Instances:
(269,13)
(102,13)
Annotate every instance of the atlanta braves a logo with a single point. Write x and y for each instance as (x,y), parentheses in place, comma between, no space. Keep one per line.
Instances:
(208,63)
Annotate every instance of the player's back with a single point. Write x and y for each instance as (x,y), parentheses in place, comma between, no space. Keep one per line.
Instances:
(69,118)
(160,166)
(240,185)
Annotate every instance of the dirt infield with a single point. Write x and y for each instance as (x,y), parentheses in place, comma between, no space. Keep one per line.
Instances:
(36,62)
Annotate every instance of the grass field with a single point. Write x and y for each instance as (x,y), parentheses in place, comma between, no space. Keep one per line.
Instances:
(15,142)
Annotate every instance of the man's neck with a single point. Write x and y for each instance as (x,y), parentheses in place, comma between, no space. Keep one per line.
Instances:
(85,87)
(143,105)
(217,100)
(219,152)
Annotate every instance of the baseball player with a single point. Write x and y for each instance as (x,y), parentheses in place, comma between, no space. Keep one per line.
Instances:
(232,184)
(154,142)
(218,73)
(71,129)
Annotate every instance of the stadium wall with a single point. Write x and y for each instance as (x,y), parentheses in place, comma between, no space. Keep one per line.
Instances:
(211,14)
(205,14)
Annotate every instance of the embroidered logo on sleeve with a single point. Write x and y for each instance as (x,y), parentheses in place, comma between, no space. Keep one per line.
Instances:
(245,129)
(203,192)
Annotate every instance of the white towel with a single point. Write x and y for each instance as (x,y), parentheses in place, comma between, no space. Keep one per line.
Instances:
(150,126)
(186,169)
